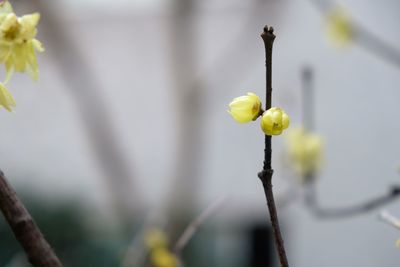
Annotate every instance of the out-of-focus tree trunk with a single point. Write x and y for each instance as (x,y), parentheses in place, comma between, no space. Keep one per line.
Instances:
(183,196)
(92,108)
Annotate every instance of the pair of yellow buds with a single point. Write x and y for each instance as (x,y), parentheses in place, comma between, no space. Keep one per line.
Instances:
(248,108)
(157,242)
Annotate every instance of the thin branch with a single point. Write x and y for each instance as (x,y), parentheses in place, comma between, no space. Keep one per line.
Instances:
(194,226)
(266,174)
(348,211)
(308,96)
(311,199)
(38,250)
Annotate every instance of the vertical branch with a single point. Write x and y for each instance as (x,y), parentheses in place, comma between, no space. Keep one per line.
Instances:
(307,83)
(39,252)
(307,98)
(266,174)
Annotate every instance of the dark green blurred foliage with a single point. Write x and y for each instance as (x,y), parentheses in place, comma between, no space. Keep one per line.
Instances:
(66,230)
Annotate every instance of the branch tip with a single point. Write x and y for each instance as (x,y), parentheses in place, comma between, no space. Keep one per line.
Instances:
(268,33)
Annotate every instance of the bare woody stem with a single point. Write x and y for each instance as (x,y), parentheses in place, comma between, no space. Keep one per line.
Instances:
(266,174)
(39,252)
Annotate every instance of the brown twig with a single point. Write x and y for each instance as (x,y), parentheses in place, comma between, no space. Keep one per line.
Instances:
(266,174)
(39,252)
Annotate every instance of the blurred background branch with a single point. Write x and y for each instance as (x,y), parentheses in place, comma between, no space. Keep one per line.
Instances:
(94,113)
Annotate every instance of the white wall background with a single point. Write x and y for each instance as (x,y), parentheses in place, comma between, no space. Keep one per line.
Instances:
(45,150)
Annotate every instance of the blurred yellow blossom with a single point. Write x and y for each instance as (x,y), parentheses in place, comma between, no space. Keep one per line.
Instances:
(18,43)
(6,99)
(339,27)
(305,151)
(274,121)
(155,238)
(245,108)
(163,258)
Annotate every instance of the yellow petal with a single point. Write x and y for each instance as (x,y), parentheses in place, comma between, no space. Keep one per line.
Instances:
(28,26)
(38,45)
(31,19)
(6,99)
(240,115)
(285,121)
(155,238)
(163,258)
(9,69)
(277,116)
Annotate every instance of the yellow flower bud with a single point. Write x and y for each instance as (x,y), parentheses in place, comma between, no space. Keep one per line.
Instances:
(274,121)
(305,151)
(339,28)
(163,258)
(6,99)
(245,108)
(155,238)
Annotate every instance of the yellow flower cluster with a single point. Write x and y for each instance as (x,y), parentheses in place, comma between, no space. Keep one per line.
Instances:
(305,151)
(157,243)
(339,28)
(17,47)
(248,108)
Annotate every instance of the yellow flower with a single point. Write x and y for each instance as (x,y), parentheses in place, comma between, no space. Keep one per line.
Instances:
(6,99)
(339,27)
(245,108)
(18,43)
(305,151)
(163,258)
(274,121)
(155,238)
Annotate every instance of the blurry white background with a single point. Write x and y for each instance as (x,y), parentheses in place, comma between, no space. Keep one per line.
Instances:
(128,44)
